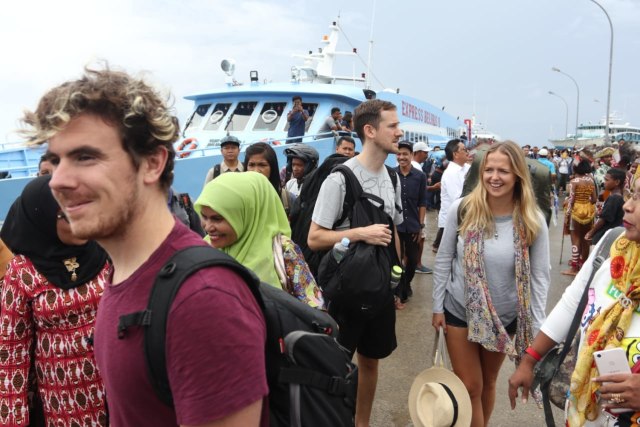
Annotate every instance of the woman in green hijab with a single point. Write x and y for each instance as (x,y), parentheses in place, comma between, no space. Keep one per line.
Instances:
(244,217)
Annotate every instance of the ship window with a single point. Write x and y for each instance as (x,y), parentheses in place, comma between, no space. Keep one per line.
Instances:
(269,116)
(197,116)
(215,119)
(311,108)
(241,116)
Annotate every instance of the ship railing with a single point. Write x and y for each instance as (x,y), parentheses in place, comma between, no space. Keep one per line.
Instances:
(4,146)
(274,142)
(18,171)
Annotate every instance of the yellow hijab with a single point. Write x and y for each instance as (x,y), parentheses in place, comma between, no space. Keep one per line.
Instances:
(252,207)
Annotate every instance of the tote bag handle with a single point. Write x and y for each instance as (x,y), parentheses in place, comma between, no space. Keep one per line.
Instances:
(441,355)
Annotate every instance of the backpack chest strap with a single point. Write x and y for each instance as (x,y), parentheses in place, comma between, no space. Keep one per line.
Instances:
(336,386)
(139,318)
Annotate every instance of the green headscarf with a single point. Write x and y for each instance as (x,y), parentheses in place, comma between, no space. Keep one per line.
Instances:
(252,207)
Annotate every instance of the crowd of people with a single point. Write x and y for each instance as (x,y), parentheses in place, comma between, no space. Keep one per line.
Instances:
(85,240)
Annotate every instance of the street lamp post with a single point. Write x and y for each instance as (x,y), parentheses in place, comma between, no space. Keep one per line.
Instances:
(578,97)
(566,117)
(606,123)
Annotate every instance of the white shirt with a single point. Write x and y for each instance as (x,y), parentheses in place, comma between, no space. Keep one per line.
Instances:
(450,188)
(293,187)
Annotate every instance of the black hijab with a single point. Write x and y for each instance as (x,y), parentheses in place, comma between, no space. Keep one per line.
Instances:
(30,230)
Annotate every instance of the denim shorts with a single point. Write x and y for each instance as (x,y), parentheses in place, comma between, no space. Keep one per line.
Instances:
(452,320)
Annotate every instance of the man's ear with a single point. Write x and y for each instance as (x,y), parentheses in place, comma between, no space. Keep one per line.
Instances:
(153,165)
(369,131)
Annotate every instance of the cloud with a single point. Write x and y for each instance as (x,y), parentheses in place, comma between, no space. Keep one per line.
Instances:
(492,57)
(180,44)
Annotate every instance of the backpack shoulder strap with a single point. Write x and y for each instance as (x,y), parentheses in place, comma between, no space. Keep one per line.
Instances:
(216,170)
(393,175)
(601,255)
(351,181)
(608,240)
(394,180)
(353,191)
(171,276)
(185,201)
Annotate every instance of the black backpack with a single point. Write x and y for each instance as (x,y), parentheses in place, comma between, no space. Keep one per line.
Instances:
(360,283)
(302,209)
(182,207)
(312,381)
(216,171)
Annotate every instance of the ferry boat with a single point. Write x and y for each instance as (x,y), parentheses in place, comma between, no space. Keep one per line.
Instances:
(256,112)
(590,134)
(480,134)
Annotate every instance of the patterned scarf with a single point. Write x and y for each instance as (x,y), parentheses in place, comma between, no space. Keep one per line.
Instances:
(607,330)
(485,327)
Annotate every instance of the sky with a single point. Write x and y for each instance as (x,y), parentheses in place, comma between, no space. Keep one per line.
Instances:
(491,58)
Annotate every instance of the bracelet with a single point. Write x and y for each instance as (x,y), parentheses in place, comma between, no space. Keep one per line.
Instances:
(531,352)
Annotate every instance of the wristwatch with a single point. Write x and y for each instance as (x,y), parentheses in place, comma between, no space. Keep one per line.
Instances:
(421,225)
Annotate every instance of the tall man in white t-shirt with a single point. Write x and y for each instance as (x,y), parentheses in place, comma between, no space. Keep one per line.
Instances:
(376,123)
(452,181)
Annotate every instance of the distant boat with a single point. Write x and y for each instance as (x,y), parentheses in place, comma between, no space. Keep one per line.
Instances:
(594,134)
(256,112)
(479,134)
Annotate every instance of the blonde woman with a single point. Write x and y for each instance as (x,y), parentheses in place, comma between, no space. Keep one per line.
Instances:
(491,274)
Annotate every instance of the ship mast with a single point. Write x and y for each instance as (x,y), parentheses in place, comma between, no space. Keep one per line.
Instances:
(373,17)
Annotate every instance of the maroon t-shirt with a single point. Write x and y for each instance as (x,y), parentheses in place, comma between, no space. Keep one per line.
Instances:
(215,345)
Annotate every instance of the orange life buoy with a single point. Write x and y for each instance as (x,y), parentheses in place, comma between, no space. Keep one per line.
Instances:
(270,141)
(187,144)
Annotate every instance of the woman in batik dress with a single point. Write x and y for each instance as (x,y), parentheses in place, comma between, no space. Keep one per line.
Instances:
(580,213)
(48,307)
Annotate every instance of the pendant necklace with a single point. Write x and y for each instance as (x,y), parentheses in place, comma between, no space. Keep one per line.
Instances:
(71,265)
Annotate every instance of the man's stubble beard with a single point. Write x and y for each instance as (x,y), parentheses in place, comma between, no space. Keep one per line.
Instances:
(115,226)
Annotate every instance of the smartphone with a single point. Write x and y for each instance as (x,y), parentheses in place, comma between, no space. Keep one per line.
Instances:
(612,361)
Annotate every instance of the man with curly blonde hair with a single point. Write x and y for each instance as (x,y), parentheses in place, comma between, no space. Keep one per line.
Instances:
(111,141)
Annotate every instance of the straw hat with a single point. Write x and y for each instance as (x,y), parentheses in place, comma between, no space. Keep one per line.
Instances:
(439,399)
(605,152)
